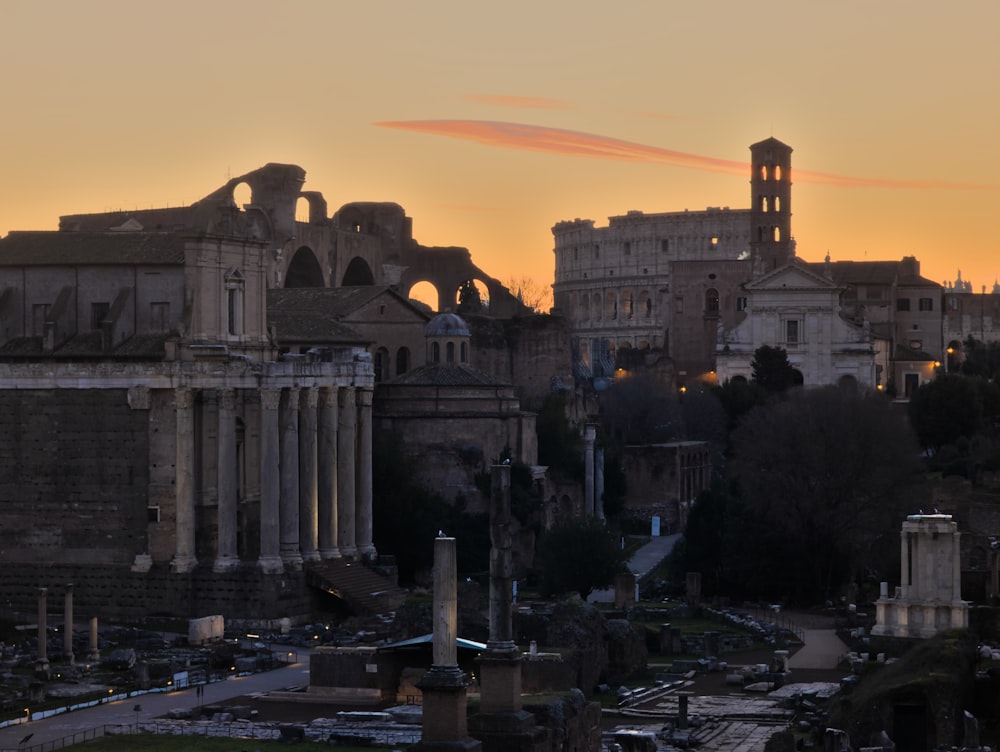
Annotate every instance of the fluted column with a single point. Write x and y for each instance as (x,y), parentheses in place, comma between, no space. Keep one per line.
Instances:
(42,664)
(289,515)
(184,553)
(308,479)
(346,443)
(589,435)
(363,502)
(270,490)
(68,625)
(226,556)
(326,474)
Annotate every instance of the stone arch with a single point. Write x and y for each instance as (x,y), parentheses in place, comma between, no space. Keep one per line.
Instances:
(611,305)
(425,292)
(584,306)
(598,306)
(242,195)
(304,270)
(358,274)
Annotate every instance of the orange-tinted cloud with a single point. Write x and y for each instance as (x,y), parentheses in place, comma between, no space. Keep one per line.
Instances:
(579,144)
(529,103)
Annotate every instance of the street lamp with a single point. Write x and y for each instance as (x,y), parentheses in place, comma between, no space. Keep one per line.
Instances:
(137,709)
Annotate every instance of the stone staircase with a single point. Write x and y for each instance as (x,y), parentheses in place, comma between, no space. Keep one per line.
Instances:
(365,591)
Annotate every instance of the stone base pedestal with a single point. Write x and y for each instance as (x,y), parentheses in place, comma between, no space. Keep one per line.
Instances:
(508,732)
(445,727)
(500,682)
(142,563)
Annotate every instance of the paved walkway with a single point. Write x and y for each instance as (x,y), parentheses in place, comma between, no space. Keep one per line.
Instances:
(153,705)
(642,563)
(821,649)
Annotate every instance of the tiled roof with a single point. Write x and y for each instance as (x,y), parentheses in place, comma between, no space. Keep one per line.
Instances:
(151,220)
(83,248)
(331,301)
(86,345)
(304,325)
(450,374)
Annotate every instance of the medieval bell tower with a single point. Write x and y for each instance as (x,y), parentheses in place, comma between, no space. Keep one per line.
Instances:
(771,243)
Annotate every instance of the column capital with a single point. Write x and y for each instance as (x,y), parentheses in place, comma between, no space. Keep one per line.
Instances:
(292,397)
(138,397)
(364,397)
(327,396)
(270,398)
(345,396)
(227,399)
(184,398)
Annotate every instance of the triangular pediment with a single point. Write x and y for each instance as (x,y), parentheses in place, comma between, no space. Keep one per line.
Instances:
(793,276)
(129,225)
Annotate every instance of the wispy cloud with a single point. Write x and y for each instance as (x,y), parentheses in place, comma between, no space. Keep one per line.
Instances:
(579,144)
(528,103)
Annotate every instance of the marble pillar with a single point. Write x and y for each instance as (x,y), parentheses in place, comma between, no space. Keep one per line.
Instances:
(226,555)
(68,625)
(308,475)
(270,490)
(139,398)
(326,475)
(363,502)
(346,445)
(184,557)
(94,654)
(42,664)
(444,724)
(599,481)
(589,435)
(289,514)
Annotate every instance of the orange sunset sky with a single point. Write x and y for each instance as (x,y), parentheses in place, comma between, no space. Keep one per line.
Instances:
(489,123)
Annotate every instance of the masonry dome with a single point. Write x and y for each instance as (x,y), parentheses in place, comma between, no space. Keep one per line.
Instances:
(447,325)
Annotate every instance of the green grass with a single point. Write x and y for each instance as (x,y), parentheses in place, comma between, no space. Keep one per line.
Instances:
(163,743)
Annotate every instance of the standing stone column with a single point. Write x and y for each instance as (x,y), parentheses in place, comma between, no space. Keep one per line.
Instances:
(589,435)
(42,664)
(308,476)
(444,685)
(95,648)
(363,502)
(326,473)
(184,557)
(599,481)
(270,492)
(68,626)
(139,399)
(289,515)
(346,445)
(227,556)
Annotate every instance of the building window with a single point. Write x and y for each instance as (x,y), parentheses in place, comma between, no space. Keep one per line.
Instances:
(711,301)
(464,353)
(627,248)
(927,304)
(153,514)
(597,250)
(792,332)
(741,304)
(436,352)
(664,246)
(903,304)
(679,304)
(98,312)
(450,352)
(714,242)
(234,302)
(402,360)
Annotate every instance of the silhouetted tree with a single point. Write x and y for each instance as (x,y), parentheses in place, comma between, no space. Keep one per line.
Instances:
(577,555)
(469,299)
(772,370)
(640,409)
(559,444)
(946,408)
(826,474)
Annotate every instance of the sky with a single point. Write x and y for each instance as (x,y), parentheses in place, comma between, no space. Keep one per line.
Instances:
(489,123)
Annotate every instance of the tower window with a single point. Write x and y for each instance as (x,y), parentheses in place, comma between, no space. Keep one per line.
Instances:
(777,203)
(234,303)
(777,172)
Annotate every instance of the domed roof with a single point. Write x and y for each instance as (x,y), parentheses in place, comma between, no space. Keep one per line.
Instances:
(447,325)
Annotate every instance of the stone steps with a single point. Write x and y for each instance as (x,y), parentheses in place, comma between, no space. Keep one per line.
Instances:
(364,590)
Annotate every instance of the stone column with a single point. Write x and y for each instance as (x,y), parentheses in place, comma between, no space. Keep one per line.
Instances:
(42,664)
(956,567)
(68,626)
(289,515)
(346,444)
(904,564)
(95,649)
(270,494)
(227,556)
(139,399)
(599,481)
(444,685)
(326,474)
(363,502)
(184,553)
(308,476)
(589,435)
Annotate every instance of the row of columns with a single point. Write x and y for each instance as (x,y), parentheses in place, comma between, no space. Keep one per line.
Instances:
(315,477)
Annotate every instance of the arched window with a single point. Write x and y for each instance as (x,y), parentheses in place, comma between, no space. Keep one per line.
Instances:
(598,308)
(450,352)
(381,364)
(464,353)
(711,300)
(402,360)
(777,172)
(777,203)
(436,351)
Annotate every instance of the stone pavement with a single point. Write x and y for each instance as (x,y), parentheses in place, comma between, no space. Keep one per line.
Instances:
(642,563)
(821,649)
(153,705)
